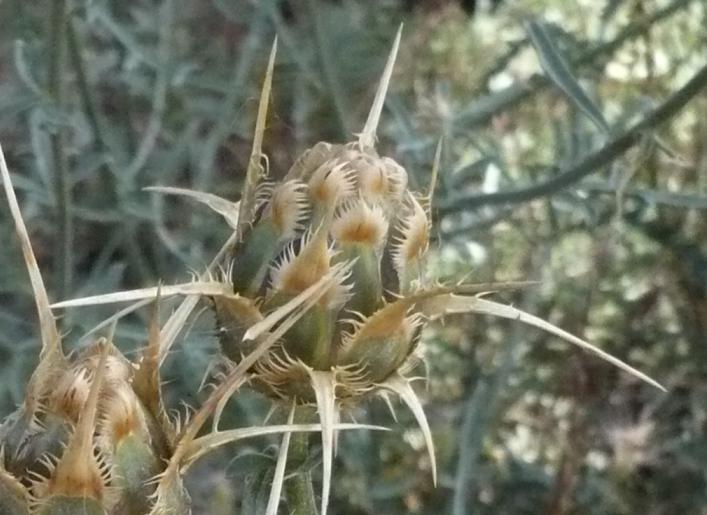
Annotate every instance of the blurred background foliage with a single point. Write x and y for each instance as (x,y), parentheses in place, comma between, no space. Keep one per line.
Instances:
(100,98)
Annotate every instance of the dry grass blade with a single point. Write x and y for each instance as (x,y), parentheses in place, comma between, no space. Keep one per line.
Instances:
(113,319)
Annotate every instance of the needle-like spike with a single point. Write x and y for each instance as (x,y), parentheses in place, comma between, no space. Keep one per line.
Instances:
(433,178)
(51,341)
(255,169)
(279,475)
(367,138)
(146,379)
(211,288)
(226,208)
(178,319)
(436,307)
(204,444)
(402,388)
(324,384)
(334,276)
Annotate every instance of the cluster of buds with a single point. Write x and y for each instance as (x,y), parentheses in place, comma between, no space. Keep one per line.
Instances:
(323,303)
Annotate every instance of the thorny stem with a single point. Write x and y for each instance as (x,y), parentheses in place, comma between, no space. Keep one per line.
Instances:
(299,489)
(594,161)
(55,88)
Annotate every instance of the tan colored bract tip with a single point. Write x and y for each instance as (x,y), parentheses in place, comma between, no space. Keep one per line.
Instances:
(255,171)
(78,473)
(367,138)
(360,223)
(51,341)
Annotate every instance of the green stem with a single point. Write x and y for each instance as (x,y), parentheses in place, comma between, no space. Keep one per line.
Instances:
(328,66)
(299,489)
(55,88)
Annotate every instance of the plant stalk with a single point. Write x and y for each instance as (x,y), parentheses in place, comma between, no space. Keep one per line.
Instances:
(56,90)
(299,489)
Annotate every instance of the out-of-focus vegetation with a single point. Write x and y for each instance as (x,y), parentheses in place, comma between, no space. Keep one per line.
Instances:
(543,177)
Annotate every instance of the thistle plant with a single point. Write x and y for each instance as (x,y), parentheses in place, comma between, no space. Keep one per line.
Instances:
(320,297)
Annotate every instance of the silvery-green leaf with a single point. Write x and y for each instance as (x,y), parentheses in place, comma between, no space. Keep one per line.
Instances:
(557,69)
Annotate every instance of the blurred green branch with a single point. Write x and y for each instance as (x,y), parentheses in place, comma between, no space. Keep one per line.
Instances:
(488,106)
(55,88)
(330,70)
(601,157)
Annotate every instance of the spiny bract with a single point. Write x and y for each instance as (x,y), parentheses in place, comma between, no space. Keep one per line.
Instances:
(323,304)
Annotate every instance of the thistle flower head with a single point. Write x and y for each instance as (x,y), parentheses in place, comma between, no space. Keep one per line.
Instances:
(323,305)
